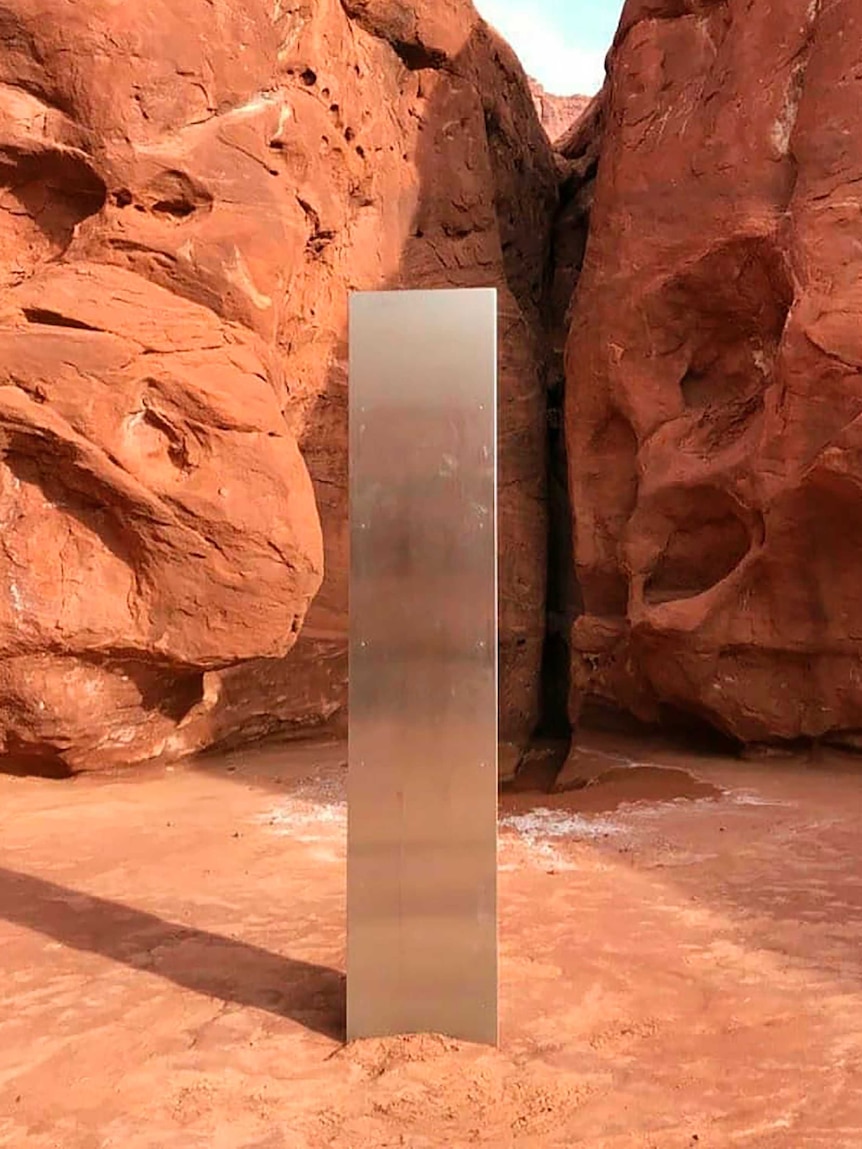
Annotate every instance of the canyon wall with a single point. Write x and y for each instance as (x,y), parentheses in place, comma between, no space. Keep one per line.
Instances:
(189,190)
(189,193)
(558,114)
(714,371)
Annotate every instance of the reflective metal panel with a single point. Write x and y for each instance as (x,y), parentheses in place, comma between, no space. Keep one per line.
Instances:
(422,822)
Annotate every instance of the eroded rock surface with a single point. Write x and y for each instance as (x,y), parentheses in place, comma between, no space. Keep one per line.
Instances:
(558,114)
(715,374)
(190,189)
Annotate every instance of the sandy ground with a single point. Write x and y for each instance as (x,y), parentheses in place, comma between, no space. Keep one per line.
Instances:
(675,973)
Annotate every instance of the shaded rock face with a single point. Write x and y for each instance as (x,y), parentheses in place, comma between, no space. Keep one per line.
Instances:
(714,373)
(578,153)
(558,114)
(190,190)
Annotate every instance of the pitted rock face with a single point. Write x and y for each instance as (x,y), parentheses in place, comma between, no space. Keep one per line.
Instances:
(188,192)
(714,373)
(158,519)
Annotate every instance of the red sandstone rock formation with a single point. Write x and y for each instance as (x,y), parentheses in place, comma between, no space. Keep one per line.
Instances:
(190,189)
(715,373)
(558,114)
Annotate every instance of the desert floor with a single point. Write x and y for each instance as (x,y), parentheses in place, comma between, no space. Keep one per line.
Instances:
(681,964)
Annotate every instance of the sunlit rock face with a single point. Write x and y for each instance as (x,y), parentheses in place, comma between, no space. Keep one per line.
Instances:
(558,113)
(190,190)
(714,372)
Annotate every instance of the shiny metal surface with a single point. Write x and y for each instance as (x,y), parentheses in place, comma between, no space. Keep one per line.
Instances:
(422,793)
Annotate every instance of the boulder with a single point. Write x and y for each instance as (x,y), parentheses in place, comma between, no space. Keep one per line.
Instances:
(190,189)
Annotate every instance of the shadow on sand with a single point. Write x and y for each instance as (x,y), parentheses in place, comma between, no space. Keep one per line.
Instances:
(218,967)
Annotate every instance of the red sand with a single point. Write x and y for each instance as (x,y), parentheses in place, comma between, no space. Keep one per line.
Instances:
(674,974)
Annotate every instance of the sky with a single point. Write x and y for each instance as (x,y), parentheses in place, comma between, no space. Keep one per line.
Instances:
(561,43)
